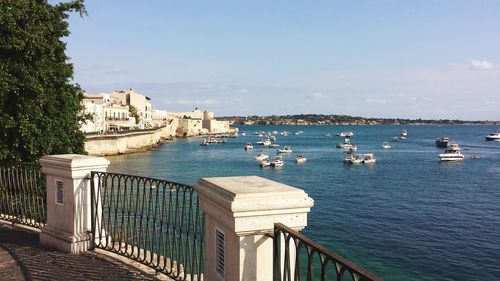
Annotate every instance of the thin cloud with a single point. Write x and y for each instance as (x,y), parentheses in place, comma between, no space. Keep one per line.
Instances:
(481,65)
(379,101)
(317,96)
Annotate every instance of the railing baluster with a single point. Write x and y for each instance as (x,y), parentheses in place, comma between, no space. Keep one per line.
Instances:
(160,220)
(340,264)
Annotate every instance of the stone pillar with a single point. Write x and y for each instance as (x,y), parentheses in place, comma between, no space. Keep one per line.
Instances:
(68,201)
(240,213)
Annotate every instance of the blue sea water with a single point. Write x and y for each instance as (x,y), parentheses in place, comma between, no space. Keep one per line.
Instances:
(407,217)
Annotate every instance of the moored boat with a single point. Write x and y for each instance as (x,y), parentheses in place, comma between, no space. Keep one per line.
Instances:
(385,145)
(300,158)
(493,136)
(452,153)
(277,161)
(261,156)
(265,163)
(443,142)
(285,149)
(369,158)
(248,146)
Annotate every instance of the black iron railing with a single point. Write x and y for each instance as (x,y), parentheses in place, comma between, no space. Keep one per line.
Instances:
(297,257)
(155,222)
(23,194)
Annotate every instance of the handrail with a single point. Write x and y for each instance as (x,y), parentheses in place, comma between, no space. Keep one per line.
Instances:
(289,267)
(155,222)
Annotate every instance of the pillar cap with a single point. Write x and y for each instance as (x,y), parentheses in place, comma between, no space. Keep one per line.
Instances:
(72,165)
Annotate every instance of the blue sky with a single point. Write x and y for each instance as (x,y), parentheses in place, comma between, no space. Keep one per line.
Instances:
(408,59)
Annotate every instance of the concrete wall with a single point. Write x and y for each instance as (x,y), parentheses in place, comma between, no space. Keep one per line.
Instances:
(102,145)
(190,127)
(214,126)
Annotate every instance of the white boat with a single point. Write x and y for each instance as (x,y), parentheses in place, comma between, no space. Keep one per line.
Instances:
(275,132)
(347,145)
(265,142)
(493,136)
(285,149)
(369,158)
(265,163)
(300,158)
(404,133)
(353,158)
(243,134)
(452,153)
(284,133)
(248,146)
(395,139)
(277,161)
(345,134)
(261,156)
(385,145)
(274,145)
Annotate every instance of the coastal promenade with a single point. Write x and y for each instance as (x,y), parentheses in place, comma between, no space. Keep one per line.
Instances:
(23,258)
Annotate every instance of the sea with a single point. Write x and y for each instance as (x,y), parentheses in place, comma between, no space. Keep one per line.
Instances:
(406,217)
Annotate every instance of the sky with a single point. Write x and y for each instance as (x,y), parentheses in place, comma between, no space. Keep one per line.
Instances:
(433,59)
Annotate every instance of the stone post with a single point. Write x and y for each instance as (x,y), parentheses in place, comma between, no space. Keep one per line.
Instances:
(68,201)
(240,213)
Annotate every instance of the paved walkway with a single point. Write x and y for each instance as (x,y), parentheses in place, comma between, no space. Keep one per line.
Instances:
(22,258)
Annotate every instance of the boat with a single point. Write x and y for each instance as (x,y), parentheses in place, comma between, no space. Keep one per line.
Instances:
(261,156)
(493,136)
(277,161)
(264,142)
(345,134)
(265,163)
(243,134)
(369,158)
(274,145)
(346,144)
(298,133)
(284,133)
(248,146)
(352,158)
(328,135)
(300,158)
(452,153)
(204,143)
(475,157)
(285,149)
(403,134)
(443,142)
(395,139)
(385,145)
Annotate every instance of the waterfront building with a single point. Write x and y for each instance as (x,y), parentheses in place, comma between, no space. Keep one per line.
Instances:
(140,102)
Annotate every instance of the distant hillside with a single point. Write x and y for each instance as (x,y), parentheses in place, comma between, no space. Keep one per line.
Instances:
(321,119)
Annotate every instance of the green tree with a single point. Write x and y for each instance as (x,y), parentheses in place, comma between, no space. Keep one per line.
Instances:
(39,105)
(134,113)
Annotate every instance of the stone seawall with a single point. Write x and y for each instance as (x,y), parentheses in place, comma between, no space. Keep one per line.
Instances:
(102,145)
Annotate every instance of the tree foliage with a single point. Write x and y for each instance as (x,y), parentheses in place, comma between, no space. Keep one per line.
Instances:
(39,104)
(134,113)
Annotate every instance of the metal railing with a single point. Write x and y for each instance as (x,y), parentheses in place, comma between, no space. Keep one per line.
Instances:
(297,257)
(155,222)
(23,194)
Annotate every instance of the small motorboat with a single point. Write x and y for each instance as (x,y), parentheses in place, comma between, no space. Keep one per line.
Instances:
(452,153)
(285,149)
(345,134)
(284,133)
(261,156)
(352,158)
(443,142)
(404,133)
(369,158)
(395,139)
(347,145)
(493,136)
(385,145)
(475,157)
(277,161)
(248,146)
(265,163)
(300,158)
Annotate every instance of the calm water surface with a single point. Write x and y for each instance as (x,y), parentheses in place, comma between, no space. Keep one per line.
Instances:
(407,217)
